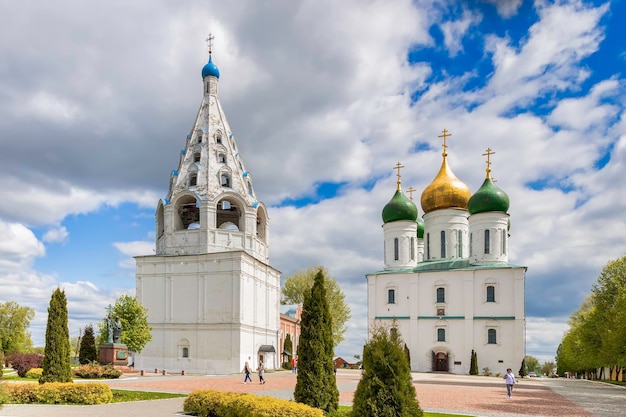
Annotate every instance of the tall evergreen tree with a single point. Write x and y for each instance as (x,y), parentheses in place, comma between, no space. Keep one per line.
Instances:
(87,352)
(316,385)
(474,363)
(386,386)
(522,369)
(56,361)
(288,347)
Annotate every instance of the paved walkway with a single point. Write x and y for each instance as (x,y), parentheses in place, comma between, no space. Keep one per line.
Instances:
(460,394)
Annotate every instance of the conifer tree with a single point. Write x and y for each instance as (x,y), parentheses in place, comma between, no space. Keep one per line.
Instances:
(56,361)
(474,363)
(288,347)
(407,353)
(522,369)
(386,386)
(316,385)
(87,351)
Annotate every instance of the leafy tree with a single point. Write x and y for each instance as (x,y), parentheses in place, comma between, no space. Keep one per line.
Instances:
(315,384)
(532,364)
(300,283)
(14,322)
(609,297)
(87,352)
(288,347)
(598,328)
(56,361)
(474,363)
(386,387)
(547,368)
(136,332)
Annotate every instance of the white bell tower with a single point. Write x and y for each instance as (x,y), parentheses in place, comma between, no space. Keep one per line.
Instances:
(212,298)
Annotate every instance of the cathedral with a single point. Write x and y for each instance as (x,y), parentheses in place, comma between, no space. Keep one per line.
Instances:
(447,284)
(211,295)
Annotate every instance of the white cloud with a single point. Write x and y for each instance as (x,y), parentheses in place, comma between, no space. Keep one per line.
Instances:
(18,246)
(131,249)
(56,235)
(506,8)
(455,30)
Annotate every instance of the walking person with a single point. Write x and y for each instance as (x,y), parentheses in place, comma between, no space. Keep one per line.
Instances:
(509,380)
(293,364)
(261,370)
(247,371)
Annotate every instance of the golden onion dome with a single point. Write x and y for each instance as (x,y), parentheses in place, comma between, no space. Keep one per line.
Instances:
(446,190)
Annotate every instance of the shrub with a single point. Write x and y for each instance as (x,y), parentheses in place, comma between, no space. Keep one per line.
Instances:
(220,404)
(87,352)
(95,370)
(34,373)
(386,387)
(23,362)
(59,393)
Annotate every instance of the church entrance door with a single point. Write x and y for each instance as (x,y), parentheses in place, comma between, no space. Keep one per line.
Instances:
(441,362)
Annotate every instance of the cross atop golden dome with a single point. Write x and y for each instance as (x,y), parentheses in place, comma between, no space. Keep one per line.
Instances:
(446,190)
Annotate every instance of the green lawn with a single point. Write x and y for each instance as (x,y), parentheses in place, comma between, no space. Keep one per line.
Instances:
(121,396)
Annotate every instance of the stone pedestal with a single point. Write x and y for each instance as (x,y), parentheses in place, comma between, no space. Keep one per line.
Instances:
(114,353)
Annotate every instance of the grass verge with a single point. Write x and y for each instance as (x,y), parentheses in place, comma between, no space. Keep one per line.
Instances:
(121,395)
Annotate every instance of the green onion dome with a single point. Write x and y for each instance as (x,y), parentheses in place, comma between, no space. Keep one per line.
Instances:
(488,198)
(399,208)
(420,228)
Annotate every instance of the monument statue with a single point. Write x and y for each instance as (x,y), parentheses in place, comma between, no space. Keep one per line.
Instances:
(114,326)
(113,351)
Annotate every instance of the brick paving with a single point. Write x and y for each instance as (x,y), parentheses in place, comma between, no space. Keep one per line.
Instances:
(460,394)
(435,392)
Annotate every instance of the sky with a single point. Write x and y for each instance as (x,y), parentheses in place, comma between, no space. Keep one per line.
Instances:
(324,98)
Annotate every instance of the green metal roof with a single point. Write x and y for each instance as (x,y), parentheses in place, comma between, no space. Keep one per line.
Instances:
(449,265)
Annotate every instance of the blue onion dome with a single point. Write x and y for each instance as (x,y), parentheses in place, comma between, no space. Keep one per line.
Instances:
(420,228)
(488,198)
(399,208)
(210,69)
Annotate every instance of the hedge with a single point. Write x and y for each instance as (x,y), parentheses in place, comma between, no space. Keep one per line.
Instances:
(58,393)
(228,404)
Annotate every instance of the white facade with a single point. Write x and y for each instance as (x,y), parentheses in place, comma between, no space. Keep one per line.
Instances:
(461,294)
(212,298)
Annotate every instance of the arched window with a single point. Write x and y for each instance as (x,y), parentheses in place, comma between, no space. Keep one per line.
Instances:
(491,294)
(427,245)
(441,295)
(412,248)
(441,335)
(459,244)
(504,242)
(228,216)
(218,137)
(396,249)
(491,336)
(487,242)
(443,244)
(250,189)
(193,180)
(225,180)
(391,296)
(185,352)
(221,158)
(188,212)
(196,157)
